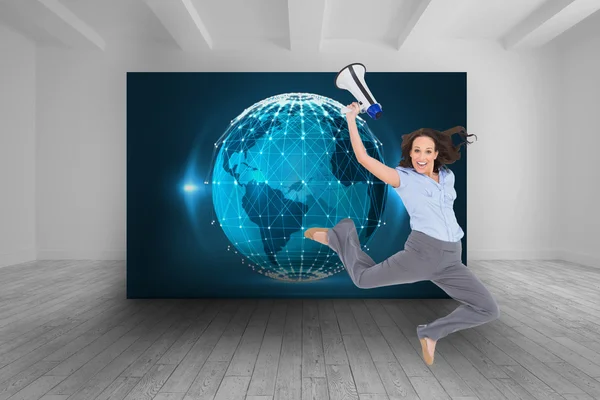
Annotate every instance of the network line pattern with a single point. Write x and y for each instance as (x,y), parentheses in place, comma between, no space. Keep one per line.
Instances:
(284,165)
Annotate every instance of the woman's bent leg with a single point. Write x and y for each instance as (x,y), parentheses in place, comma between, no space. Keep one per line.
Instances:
(479,306)
(406,266)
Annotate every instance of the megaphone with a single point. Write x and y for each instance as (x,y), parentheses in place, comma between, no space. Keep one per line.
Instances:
(352,78)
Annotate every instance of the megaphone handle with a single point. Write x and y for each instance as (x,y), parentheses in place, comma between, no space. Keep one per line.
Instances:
(345,110)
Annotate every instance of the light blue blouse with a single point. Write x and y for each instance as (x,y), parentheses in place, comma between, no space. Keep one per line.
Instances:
(430,204)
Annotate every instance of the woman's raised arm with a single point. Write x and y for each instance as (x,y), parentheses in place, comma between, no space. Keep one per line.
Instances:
(386,174)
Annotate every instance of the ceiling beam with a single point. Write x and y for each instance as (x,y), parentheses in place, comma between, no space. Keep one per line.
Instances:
(548,21)
(421,7)
(183,22)
(60,22)
(306,21)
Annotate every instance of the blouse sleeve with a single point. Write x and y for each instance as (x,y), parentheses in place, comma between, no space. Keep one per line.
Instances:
(404,177)
(450,177)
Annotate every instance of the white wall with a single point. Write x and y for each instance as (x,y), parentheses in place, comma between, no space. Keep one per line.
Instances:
(512,103)
(17,148)
(579,136)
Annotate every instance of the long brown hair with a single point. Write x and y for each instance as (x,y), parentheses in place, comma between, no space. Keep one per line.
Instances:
(448,153)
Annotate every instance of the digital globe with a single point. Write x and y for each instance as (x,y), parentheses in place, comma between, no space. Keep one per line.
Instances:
(284,165)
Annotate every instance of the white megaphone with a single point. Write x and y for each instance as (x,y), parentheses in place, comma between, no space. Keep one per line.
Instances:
(352,78)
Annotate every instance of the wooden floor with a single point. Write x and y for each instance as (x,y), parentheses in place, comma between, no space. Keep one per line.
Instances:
(67,332)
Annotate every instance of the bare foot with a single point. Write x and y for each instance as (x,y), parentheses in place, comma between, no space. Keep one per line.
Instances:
(321,237)
(428,347)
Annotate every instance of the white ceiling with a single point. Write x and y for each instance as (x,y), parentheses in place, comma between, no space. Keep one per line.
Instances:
(296,25)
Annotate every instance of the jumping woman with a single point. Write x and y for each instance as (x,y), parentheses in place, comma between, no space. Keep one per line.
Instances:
(433,248)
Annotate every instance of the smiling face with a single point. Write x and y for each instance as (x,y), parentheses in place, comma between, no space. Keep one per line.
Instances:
(423,154)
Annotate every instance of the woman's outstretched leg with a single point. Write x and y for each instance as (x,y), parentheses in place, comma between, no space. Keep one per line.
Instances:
(415,263)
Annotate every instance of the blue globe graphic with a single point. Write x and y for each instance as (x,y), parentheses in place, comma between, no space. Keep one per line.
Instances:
(284,165)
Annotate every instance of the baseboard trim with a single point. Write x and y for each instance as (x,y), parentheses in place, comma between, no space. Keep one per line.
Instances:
(569,256)
(17,257)
(109,255)
(513,254)
(580,258)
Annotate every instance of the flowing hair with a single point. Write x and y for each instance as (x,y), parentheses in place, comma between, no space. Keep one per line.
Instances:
(448,152)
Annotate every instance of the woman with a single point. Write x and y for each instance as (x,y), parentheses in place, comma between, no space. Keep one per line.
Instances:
(433,249)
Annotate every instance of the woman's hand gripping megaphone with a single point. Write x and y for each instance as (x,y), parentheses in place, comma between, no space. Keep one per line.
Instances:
(351,110)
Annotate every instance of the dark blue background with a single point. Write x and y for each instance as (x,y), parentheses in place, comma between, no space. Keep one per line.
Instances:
(171,115)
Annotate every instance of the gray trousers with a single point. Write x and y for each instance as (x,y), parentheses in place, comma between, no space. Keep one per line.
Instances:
(423,258)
